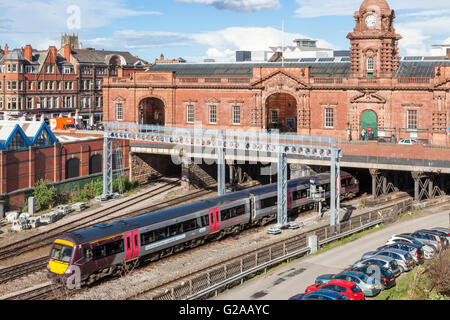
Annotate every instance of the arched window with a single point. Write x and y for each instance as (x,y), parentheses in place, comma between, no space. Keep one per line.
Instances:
(72,168)
(95,164)
(370,64)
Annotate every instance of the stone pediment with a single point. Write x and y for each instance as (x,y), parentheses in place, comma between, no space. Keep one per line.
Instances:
(368,97)
(119,99)
(279,80)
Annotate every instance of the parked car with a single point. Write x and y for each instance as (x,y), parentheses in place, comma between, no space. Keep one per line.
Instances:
(444,230)
(383,261)
(442,235)
(428,238)
(408,141)
(370,286)
(324,278)
(297,297)
(428,250)
(414,250)
(403,258)
(324,295)
(347,288)
(384,275)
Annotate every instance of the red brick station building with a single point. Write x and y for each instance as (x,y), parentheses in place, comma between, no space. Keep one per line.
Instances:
(373,92)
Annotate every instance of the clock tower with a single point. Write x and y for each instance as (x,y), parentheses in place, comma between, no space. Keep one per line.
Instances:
(374,43)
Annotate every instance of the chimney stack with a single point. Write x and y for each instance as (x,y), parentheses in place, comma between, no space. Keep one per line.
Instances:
(6,49)
(28,52)
(67,51)
(54,52)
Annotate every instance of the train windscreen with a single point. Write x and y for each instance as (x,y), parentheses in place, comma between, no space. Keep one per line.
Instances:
(61,253)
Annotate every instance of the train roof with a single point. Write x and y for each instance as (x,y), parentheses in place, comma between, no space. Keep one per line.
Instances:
(104,230)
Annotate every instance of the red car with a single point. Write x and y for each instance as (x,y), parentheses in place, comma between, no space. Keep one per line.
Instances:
(347,288)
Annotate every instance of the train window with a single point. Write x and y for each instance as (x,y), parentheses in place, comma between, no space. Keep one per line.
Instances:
(98,252)
(160,234)
(190,225)
(136,244)
(61,253)
(114,248)
(299,194)
(232,212)
(147,237)
(175,229)
(87,255)
(205,221)
(128,243)
(268,202)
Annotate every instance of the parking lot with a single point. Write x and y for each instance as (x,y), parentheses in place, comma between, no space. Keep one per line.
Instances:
(293,278)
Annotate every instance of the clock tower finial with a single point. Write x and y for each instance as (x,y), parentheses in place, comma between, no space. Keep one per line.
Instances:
(374,42)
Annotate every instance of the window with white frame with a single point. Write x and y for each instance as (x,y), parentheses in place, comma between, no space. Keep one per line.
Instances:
(29,103)
(236,115)
(119,111)
(274,116)
(213,114)
(370,64)
(411,119)
(329,118)
(190,114)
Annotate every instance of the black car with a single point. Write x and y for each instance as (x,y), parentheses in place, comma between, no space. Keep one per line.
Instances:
(414,249)
(386,277)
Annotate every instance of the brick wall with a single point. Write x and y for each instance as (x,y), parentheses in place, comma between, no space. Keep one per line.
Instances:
(21,170)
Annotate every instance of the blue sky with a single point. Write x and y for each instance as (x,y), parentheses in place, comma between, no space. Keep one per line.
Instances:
(198,29)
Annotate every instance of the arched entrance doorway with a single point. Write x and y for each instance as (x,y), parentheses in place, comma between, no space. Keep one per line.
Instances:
(369,125)
(151,111)
(281,113)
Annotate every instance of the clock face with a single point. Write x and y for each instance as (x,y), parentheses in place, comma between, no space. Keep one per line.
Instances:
(371,21)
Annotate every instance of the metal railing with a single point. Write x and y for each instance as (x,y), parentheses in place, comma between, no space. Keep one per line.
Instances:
(236,271)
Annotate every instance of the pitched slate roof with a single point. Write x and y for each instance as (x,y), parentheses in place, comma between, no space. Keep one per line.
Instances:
(92,56)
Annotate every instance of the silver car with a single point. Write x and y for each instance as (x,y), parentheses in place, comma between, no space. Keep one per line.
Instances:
(383,261)
(427,238)
(369,285)
(429,250)
(404,260)
(444,230)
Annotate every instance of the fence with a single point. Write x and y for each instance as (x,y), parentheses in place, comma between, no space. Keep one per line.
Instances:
(236,271)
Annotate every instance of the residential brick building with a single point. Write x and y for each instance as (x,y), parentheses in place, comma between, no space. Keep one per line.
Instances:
(92,66)
(65,83)
(36,84)
(374,91)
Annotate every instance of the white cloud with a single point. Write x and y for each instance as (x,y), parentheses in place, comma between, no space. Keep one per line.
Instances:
(41,22)
(239,5)
(314,8)
(220,44)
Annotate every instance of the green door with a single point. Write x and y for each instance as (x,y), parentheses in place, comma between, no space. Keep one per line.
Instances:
(369,123)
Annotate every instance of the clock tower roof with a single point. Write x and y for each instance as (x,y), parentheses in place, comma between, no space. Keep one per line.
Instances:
(375,5)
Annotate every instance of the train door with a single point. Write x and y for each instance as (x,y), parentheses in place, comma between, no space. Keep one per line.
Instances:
(289,199)
(214,218)
(131,245)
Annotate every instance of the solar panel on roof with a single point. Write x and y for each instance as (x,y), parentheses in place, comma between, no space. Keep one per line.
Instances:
(326,59)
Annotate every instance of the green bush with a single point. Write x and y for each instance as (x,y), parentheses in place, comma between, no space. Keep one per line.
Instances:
(45,195)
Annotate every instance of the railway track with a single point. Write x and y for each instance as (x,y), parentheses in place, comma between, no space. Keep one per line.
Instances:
(39,292)
(39,240)
(13,272)
(22,269)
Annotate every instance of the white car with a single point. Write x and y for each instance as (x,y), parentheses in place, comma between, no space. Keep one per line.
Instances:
(408,141)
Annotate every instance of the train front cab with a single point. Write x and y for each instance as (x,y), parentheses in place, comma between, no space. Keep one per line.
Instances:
(60,259)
